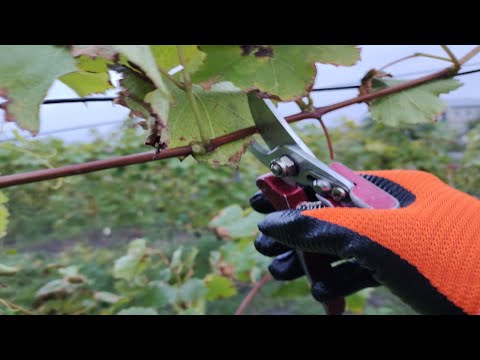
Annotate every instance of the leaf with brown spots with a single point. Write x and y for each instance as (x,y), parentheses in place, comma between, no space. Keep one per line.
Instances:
(283,71)
(93,51)
(223,109)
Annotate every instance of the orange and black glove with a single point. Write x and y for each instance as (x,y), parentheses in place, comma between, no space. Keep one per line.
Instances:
(427,252)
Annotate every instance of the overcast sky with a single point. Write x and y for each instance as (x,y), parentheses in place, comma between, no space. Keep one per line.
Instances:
(60,116)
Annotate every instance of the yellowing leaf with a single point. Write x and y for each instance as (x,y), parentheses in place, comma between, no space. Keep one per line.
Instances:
(219,287)
(417,105)
(3,215)
(85,83)
(166,56)
(284,71)
(26,74)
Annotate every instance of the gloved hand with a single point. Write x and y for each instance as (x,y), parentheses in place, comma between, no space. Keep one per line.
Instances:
(427,252)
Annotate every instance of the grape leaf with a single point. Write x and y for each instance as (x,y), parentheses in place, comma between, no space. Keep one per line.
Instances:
(3,215)
(92,65)
(167,292)
(226,216)
(71,270)
(356,303)
(26,74)
(85,83)
(142,57)
(295,288)
(138,311)
(129,266)
(166,56)
(6,270)
(223,109)
(54,289)
(192,290)
(219,287)
(417,105)
(283,71)
(232,223)
(107,297)
(142,69)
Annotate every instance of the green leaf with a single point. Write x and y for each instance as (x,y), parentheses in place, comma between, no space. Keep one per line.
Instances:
(190,257)
(138,311)
(166,56)
(142,56)
(144,101)
(192,311)
(135,90)
(226,216)
(6,270)
(164,275)
(3,215)
(129,266)
(107,297)
(55,288)
(176,261)
(223,109)
(26,74)
(192,290)
(285,71)
(219,287)
(97,65)
(168,293)
(357,302)
(291,289)
(85,83)
(417,105)
(240,257)
(232,223)
(71,270)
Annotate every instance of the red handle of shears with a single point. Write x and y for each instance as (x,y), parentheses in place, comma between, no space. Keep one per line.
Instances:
(284,196)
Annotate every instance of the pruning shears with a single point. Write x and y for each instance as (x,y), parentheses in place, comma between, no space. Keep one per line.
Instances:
(298,180)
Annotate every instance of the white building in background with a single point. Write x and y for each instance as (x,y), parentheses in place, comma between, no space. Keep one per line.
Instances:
(460,113)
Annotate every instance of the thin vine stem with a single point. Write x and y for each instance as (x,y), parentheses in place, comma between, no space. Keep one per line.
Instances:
(172,78)
(329,140)
(15,307)
(250,296)
(451,55)
(469,55)
(414,56)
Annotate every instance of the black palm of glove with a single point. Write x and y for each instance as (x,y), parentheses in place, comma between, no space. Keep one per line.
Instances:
(345,279)
(426,252)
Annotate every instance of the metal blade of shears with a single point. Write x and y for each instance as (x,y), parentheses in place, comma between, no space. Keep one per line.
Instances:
(273,128)
(282,140)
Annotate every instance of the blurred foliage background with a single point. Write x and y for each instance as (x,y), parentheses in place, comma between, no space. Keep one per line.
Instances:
(174,237)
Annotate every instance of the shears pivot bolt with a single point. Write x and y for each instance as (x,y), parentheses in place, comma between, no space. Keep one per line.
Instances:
(338,193)
(283,167)
(322,185)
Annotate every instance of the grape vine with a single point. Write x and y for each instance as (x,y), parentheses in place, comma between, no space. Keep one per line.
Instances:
(201,110)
